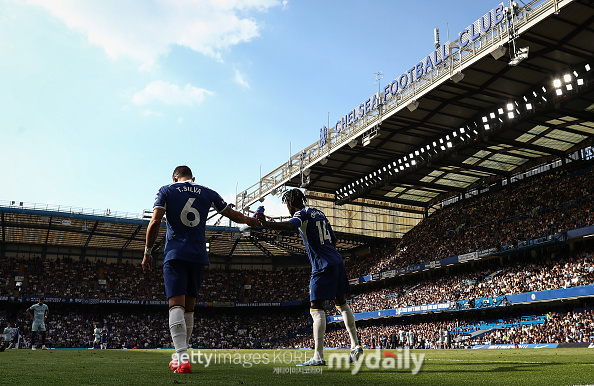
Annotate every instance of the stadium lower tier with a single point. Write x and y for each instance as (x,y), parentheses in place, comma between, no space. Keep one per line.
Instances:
(147,327)
(553,327)
(70,326)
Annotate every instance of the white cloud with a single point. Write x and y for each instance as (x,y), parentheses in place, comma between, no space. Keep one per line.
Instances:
(144,30)
(239,78)
(171,94)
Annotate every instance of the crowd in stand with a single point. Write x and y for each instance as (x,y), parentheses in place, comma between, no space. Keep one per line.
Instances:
(421,335)
(539,207)
(150,329)
(68,278)
(282,329)
(557,328)
(555,273)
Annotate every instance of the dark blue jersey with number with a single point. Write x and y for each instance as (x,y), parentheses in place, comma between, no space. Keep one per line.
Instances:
(186,207)
(104,336)
(317,235)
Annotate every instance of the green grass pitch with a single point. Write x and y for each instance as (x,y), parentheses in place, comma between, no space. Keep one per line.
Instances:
(440,367)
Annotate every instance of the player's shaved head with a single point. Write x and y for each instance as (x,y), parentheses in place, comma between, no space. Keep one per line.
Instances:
(182,171)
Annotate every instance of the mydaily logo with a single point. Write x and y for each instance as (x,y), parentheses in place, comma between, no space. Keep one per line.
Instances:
(403,359)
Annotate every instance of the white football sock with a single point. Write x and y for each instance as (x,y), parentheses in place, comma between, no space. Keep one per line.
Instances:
(177,328)
(319,328)
(349,322)
(189,317)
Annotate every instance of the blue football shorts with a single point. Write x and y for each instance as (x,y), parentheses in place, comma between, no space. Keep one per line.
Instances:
(329,284)
(182,277)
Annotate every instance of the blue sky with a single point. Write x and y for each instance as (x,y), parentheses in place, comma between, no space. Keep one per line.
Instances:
(100,100)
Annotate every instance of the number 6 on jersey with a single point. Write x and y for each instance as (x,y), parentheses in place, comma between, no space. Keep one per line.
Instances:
(184,215)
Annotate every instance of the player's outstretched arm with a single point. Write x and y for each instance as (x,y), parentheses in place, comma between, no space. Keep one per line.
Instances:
(239,217)
(279,226)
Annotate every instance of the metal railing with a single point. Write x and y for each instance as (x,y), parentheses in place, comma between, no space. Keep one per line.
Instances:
(69,210)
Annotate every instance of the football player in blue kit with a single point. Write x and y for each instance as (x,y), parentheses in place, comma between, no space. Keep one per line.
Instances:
(328,275)
(186,205)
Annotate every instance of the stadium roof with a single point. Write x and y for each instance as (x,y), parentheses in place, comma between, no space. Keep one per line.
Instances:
(23,223)
(490,113)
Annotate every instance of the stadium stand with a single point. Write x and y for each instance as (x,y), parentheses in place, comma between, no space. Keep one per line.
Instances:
(69,278)
(525,276)
(147,327)
(491,160)
(542,206)
(555,327)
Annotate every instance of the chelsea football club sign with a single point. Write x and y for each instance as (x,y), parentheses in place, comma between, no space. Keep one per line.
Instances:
(438,58)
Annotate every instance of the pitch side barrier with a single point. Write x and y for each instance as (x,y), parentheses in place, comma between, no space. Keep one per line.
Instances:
(535,345)
(524,245)
(140,302)
(475,304)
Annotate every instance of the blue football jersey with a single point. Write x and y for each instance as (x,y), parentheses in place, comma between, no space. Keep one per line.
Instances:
(186,206)
(317,235)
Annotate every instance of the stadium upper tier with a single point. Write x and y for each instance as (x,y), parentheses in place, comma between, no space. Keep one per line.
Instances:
(60,231)
(562,271)
(488,105)
(500,219)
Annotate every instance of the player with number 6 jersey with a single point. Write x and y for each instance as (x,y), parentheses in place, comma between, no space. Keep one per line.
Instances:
(186,205)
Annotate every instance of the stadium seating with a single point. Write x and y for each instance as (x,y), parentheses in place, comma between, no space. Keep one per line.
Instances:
(542,205)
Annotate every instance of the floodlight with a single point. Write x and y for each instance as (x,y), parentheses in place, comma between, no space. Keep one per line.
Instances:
(498,52)
(412,105)
(520,55)
(457,77)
